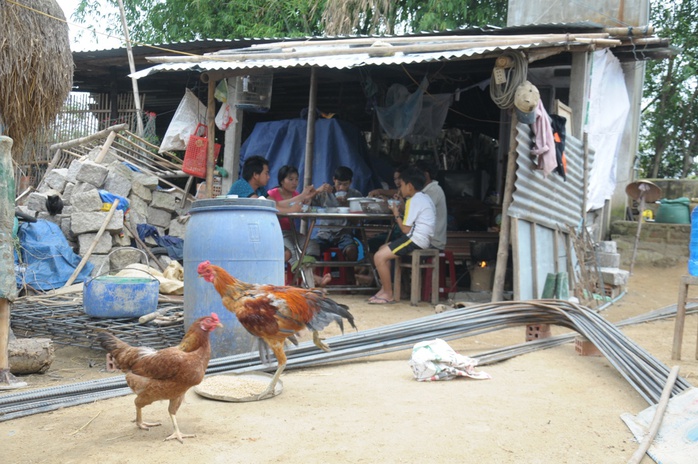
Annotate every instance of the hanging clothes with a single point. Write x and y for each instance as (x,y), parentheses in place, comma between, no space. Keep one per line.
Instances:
(558,124)
(543,141)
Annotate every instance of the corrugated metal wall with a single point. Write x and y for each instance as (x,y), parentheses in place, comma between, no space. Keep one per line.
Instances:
(542,209)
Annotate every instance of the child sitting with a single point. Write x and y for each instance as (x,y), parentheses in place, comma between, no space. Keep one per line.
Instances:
(418,227)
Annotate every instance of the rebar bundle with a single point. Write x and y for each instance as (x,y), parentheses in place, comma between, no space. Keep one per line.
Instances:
(643,371)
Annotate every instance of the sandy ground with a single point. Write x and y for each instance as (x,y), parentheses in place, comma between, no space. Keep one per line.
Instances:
(548,406)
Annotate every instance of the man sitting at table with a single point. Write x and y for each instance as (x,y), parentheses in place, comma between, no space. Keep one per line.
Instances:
(331,196)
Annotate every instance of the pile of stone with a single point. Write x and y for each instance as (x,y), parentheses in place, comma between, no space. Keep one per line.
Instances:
(84,210)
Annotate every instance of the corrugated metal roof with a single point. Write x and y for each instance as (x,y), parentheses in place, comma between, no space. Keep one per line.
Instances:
(318,57)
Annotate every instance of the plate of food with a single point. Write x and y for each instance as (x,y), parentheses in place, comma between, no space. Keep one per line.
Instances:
(237,388)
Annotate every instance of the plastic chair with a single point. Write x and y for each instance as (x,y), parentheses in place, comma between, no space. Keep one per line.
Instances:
(420,259)
(446,258)
(327,256)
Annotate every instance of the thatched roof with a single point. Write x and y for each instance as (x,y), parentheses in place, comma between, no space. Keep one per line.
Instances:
(36,66)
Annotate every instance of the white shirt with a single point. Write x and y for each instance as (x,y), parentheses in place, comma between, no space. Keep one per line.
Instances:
(420,216)
(438,197)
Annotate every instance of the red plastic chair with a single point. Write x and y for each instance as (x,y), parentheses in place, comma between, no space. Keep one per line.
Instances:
(327,256)
(446,258)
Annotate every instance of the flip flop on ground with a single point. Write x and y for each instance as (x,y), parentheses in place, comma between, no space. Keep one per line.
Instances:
(377,300)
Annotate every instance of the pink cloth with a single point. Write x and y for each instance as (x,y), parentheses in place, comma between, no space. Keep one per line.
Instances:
(543,142)
(275,193)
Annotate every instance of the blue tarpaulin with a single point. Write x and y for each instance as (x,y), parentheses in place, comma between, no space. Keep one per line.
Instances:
(337,143)
(47,261)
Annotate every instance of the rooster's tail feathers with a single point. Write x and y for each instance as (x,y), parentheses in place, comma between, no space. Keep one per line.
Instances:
(331,311)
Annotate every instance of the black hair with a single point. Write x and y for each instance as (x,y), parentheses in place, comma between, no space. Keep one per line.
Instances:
(415,176)
(343,174)
(285,171)
(428,167)
(253,165)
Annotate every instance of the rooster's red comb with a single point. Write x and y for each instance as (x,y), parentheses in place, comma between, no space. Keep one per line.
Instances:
(202,266)
(214,316)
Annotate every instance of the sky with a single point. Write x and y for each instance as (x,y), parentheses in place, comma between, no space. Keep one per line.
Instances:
(87,41)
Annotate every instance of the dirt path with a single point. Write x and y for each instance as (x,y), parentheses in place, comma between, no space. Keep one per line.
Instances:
(549,406)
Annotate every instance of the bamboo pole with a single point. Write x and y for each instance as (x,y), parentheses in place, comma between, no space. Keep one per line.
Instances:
(504,230)
(132,68)
(373,51)
(657,419)
(107,145)
(88,138)
(84,259)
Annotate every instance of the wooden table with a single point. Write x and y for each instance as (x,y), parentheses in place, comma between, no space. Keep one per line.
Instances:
(359,221)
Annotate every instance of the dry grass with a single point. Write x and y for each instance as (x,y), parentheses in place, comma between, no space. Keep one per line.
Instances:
(36,66)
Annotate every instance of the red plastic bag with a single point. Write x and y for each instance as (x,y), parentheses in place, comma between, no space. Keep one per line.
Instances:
(195,155)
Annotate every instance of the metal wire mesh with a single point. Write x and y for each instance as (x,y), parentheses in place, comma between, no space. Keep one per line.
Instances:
(69,325)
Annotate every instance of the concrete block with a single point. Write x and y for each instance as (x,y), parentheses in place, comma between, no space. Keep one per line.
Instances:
(138,205)
(608,259)
(109,156)
(73,169)
(87,201)
(125,256)
(607,247)
(159,217)
(37,202)
(104,244)
(81,187)
(57,178)
(26,210)
(47,217)
(68,193)
(141,191)
(92,173)
(101,263)
(121,239)
(177,229)
(164,199)
(146,180)
(614,276)
(82,222)
(117,184)
(121,169)
(65,228)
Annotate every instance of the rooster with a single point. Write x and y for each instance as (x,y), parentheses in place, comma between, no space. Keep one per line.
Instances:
(165,374)
(275,313)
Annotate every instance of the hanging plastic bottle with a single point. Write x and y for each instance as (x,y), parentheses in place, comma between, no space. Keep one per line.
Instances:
(693,245)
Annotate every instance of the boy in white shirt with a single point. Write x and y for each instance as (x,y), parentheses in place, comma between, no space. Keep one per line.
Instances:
(417,225)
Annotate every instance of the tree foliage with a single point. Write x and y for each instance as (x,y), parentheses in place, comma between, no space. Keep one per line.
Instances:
(669,135)
(164,21)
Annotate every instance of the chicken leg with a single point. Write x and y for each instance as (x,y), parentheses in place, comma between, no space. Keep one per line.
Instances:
(172,409)
(278,348)
(139,420)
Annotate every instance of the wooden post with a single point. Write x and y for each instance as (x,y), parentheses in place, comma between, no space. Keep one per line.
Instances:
(4,333)
(211,134)
(77,270)
(504,231)
(132,68)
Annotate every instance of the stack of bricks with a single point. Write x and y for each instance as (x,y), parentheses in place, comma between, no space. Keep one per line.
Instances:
(614,280)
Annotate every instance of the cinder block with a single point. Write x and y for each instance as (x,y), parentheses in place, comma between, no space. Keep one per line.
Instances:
(159,217)
(103,245)
(607,247)
(607,259)
(92,173)
(87,201)
(537,331)
(57,178)
(614,276)
(164,199)
(584,347)
(117,184)
(37,202)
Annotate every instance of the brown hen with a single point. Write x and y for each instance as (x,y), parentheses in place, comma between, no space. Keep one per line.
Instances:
(165,374)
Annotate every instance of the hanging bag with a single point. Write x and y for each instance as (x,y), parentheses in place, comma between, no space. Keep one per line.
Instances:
(197,151)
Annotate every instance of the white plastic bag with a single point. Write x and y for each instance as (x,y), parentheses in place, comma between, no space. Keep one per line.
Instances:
(435,360)
(224,118)
(190,112)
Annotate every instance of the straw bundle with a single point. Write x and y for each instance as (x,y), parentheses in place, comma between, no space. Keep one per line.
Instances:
(36,66)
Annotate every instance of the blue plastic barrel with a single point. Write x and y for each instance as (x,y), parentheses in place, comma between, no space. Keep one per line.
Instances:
(243,236)
(693,244)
